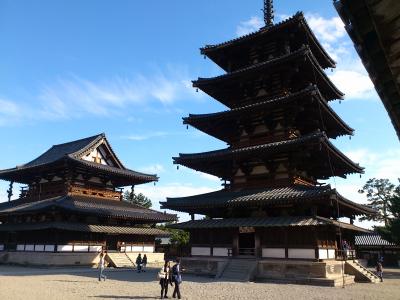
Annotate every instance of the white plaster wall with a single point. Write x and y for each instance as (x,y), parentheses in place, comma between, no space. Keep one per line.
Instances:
(95,248)
(203,251)
(20,247)
(49,259)
(39,248)
(273,252)
(331,253)
(301,253)
(322,253)
(137,248)
(29,247)
(148,249)
(49,248)
(64,248)
(81,248)
(220,251)
(1,247)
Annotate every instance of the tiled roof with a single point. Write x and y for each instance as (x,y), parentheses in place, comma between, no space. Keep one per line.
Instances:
(73,152)
(372,240)
(88,205)
(57,152)
(266,196)
(200,161)
(284,59)
(298,18)
(205,121)
(84,228)
(262,222)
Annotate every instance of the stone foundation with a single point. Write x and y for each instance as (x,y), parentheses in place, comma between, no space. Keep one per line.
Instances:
(207,266)
(279,269)
(288,269)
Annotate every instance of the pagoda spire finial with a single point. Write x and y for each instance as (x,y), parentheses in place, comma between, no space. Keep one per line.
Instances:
(268,12)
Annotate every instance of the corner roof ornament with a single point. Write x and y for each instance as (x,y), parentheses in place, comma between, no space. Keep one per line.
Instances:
(268,13)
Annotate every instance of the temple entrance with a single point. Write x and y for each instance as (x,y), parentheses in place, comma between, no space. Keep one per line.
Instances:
(112,242)
(247,244)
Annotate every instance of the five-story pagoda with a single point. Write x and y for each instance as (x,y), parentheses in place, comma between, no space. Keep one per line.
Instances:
(278,127)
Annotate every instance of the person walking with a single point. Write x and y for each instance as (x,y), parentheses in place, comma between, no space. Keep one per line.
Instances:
(101,267)
(144,263)
(165,278)
(139,263)
(177,279)
(379,270)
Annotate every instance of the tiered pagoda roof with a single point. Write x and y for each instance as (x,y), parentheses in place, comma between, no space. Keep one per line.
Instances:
(221,162)
(265,222)
(228,88)
(222,53)
(277,129)
(225,126)
(266,198)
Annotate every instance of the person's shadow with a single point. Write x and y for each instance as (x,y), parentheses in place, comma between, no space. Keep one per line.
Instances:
(123,297)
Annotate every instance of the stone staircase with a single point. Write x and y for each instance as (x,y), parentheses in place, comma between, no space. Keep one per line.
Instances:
(361,273)
(120,260)
(239,270)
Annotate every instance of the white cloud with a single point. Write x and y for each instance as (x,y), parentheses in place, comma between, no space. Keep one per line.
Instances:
(153,169)
(9,112)
(327,30)
(248,26)
(350,76)
(354,84)
(385,164)
(145,136)
(74,96)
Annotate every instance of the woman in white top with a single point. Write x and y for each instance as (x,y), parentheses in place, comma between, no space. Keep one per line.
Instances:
(101,267)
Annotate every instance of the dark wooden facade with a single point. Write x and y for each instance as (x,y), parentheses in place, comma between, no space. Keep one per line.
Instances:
(277,128)
(73,200)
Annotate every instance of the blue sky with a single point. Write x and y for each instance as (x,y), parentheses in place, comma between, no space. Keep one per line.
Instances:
(71,69)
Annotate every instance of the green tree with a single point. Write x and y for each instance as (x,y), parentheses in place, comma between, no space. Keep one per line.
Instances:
(391,231)
(379,192)
(139,199)
(177,237)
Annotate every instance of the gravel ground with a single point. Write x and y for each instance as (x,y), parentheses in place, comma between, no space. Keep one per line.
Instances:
(80,283)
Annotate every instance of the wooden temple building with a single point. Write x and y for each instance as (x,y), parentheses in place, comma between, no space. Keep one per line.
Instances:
(278,127)
(72,202)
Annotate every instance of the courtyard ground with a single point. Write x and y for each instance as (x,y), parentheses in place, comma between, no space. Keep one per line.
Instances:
(81,283)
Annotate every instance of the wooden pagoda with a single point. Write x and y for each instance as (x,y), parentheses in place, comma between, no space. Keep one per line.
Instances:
(278,127)
(72,203)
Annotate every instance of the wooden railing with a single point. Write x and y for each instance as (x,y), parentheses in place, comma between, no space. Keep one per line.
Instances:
(346,254)
(247,251)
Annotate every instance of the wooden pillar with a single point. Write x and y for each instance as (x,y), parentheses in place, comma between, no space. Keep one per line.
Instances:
(257,243)
(286,242)
(235,243)
(211,243)
(315,234)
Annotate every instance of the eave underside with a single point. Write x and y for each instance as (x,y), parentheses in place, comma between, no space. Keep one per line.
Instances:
(218,87)
(226,125)
(79,227)
(86,205)
(265,223)
(295,195)
(61,167)
(374,27)
(320,151)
